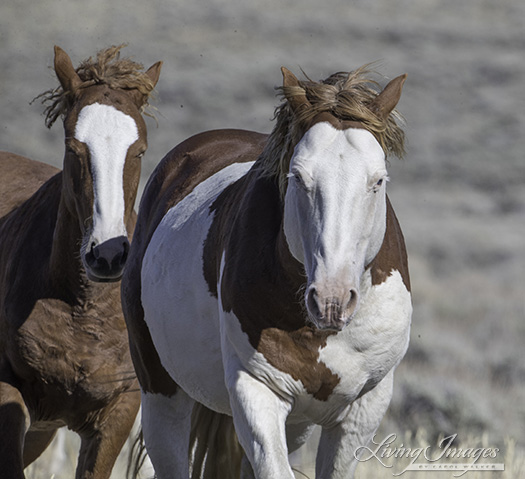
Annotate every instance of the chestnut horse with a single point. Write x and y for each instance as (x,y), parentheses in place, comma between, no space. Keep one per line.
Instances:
(268,281)
(64,240)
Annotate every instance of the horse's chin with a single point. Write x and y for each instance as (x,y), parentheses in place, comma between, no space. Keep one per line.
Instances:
(329,325)
(97,278)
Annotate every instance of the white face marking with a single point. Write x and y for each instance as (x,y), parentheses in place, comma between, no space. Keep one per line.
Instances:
(335,211)
(108,133)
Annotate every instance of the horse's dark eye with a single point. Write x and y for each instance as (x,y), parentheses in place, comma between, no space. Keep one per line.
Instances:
(378,184)
(297,178)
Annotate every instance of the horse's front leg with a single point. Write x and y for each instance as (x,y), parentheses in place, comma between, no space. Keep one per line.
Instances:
(259,416)
(341,445)
(14,422)
(102,439)
(166,425)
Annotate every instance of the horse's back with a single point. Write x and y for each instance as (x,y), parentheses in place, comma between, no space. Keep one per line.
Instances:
(20,177)
(29,198)
(192,162)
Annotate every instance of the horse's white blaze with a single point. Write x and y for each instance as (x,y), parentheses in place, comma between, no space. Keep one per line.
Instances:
(181,313)
(108,134)
(335,207)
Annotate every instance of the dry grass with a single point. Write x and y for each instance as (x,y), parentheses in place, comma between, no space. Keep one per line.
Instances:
(512,457)
(59,460)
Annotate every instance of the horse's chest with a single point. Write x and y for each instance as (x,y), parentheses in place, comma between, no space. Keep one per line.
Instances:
(324,373)
(62,351)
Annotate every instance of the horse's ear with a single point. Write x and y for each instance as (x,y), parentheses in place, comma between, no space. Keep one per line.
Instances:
(293,92)
(387,100)
(140,96)
(65,71)
(154,72)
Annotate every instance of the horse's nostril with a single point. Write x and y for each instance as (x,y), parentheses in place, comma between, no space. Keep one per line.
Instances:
(352,302)
(331,310)
(312,303)
(94,250)
(125,251)
(106,260)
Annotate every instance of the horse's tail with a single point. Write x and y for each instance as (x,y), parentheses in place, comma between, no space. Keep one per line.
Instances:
(137,456)
(215,451)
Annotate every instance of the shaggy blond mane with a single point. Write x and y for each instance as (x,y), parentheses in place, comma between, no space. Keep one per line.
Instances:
(347,96)
(107,69)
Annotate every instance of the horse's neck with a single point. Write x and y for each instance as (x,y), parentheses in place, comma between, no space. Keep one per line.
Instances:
(289,266)
(261,220)
(66,271)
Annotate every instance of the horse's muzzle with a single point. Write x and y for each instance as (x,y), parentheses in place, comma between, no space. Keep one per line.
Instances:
(329,312)
(105,262)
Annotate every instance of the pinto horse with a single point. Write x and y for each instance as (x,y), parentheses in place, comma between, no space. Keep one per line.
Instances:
(268,281)
(64,239)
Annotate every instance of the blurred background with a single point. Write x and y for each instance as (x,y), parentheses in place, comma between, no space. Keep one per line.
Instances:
(459,194)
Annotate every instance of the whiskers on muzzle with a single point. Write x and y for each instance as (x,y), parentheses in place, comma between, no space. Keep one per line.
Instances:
(331,312)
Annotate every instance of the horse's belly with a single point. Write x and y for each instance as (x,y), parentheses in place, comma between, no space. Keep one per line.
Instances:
(181,313)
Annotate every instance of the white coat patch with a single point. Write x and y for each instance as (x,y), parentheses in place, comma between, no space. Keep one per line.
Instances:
(108,133)
(181,313)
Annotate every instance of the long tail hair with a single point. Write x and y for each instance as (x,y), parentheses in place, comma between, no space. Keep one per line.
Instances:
(137,456)
(215,451)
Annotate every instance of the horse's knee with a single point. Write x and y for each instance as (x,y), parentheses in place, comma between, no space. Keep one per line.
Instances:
(14,423)
(103,439)
(35,443)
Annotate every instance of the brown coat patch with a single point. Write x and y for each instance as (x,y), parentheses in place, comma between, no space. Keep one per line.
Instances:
(262,282)
(392,255)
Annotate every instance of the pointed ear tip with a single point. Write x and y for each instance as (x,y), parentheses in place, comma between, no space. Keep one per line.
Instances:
(156,66)
(402,78)
(287,73)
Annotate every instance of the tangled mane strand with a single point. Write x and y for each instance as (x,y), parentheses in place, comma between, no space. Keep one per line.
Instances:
(107,69)
(346,95)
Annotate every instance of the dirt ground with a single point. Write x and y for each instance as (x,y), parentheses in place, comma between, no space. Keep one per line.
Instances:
(459,194)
